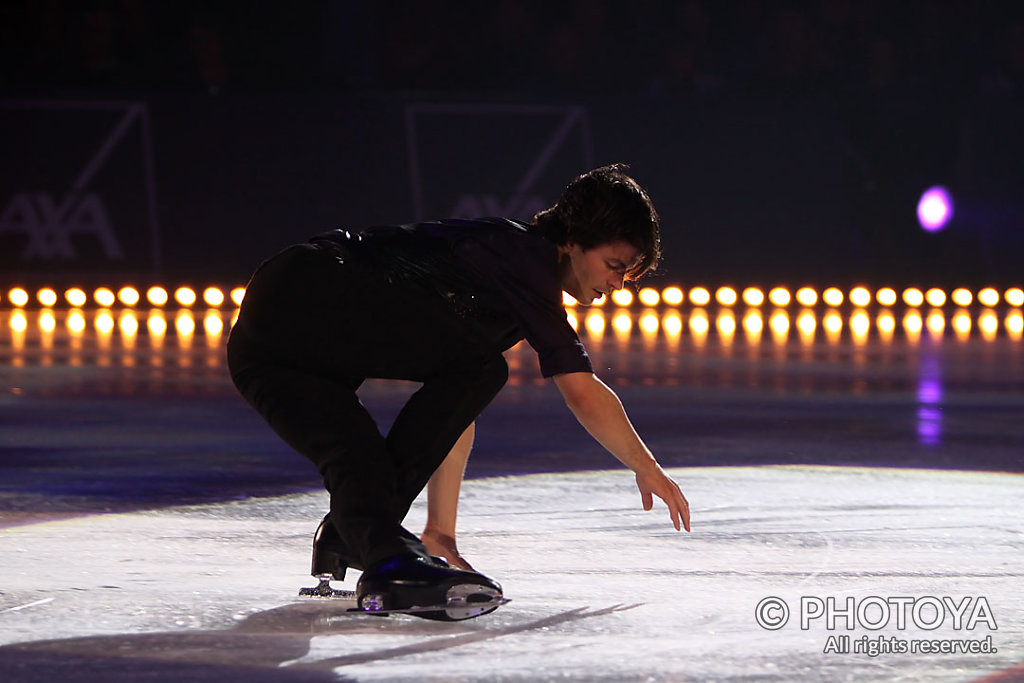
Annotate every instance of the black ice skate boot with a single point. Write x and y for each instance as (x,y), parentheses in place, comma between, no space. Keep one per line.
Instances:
(331,554)
(415,583)
(331,559)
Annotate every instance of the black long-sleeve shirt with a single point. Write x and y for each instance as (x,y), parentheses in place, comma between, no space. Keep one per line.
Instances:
(495,273)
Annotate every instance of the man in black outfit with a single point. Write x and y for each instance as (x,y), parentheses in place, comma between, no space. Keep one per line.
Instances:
(435,303)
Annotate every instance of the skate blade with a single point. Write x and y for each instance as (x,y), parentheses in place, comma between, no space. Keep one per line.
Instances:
(454,613)
(464,602)
(324,590)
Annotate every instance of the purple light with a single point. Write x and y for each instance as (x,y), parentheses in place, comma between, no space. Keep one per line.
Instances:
(935,209)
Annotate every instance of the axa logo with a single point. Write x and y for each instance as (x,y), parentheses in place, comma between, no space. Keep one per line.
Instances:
(50,225)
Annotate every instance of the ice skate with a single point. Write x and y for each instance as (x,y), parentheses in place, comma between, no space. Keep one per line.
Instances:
(423,587)
(331,559)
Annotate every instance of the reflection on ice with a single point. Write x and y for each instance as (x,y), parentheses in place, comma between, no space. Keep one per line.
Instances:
(127,337)
(929,399)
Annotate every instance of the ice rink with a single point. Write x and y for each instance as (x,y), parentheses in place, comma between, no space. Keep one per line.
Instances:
(854,479)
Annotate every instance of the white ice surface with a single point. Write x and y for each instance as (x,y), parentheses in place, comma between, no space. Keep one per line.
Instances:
(601,590)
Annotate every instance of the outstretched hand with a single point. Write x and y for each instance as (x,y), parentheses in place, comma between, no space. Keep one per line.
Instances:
(654,482)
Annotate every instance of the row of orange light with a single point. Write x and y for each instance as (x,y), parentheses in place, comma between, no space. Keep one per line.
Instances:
(808,296)
(781,297)
(595,323)
(76,297)
(806,323)
(127,323)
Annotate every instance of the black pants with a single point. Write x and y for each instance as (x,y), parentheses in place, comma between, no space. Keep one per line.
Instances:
(311,329)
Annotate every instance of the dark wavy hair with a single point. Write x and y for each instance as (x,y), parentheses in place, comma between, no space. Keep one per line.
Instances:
(602,206)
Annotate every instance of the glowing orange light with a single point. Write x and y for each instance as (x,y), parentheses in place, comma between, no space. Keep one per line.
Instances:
(567,300)
(18,297)
(726,324)
(833,326)
(886,296)
(832,297)
(988,323)
(886,324)
(157,296)
(962,297)
(76,323)
(129,296)
(649,323)
(18,321)
(673,296)
(779,322)
(807,324)
(860,297)
(648,296)
(672,324)
(752,296)
(104,322)
(128,324)
(47,297)
(595,324)
(935,297)
(76,297)
(725,296)
(699,296)
(913,323)
(913,297)
(1014,297)
(104,297)
(156,323)
(622,322)
(622,297)
(185,324)
(753,324)
(212,324)
(185,296)
(238,294)
(860,326)
(988,297)
(1015,326)
(962,326)
(213,297)
(699,324)
(47,322)
(806,296)
(779,296)
(574,322)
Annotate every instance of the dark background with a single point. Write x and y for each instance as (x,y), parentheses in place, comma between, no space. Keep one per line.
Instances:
(783,142)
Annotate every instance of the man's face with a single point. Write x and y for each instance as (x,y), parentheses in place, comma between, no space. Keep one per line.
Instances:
(587,274)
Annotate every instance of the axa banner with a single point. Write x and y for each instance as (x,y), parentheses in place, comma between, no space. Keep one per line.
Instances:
(471,160)
(77,193)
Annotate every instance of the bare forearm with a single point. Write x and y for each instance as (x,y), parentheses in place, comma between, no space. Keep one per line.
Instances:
(443,487)
(601,413)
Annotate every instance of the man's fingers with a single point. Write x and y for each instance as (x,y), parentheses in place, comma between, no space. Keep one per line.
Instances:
(678,507)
